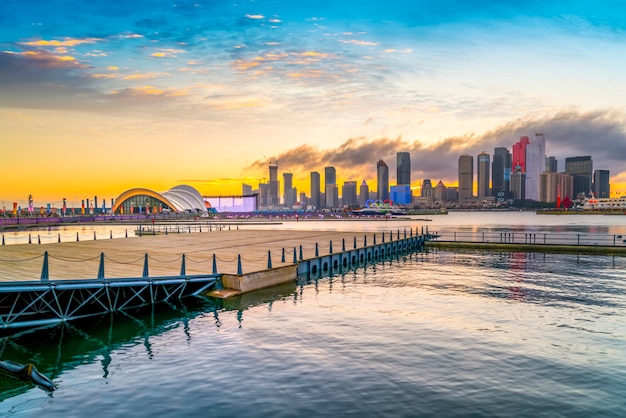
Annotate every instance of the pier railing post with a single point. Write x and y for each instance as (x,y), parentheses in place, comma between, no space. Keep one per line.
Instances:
(317,252)
(214,264)
(295,258)
(354,247)
(101,267)
(183,267)
(282,259)
(365,240)
(29,239)
(301,258)
(239,269)
(44,268)
(330,247)
(343,244)
(374,238)
(2,239)
(77,239)
(145,266)
(269,259)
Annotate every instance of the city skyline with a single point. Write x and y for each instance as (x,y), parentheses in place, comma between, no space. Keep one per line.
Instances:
(100,97)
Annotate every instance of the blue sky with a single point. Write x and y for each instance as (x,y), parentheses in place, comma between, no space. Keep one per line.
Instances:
(204,92)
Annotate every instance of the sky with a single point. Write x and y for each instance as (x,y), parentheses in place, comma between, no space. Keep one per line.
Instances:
(102,96)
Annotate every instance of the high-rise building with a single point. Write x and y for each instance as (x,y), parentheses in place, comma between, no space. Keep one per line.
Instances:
(440,192)
(535,165)
(403,168)
(332,196)
(551,165)
(601,185)
(427,188)
(401,195)
(555,187)
(315,201)
(348,193)
(582,170)
(330,175)
(518,185)
(519,154)
(500,171)
(364,193)
(382,177)
(246,189)
(274,185)
(483,161)
(289,192)
(466,177)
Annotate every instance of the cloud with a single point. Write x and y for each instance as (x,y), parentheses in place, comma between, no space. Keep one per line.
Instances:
(357,42)
(601,134)
(62,43)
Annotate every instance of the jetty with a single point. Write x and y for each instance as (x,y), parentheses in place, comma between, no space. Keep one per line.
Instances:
(57,282)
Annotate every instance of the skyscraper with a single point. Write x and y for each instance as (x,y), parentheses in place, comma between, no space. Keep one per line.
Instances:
(466,177)
(403,168)
(519,154)
(348,193)
(551,165)
(274,185)
(331,190)
(382,177)
(582,169)
(364,193)
(483,162)
(330,175)
(315,190)
(555,187)
(500,171)
(601,186)
(427,188)
(535,165)
(289,193)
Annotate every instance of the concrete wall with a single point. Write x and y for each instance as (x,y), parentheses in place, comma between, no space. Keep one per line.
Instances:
(260,279)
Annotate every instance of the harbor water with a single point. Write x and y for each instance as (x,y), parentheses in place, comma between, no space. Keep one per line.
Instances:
(437,334)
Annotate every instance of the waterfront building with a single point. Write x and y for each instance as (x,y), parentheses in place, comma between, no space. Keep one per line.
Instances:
(427,188)
(500,171)
(274,185)
(289,192)
(348,194)
(332,196)
(453,194)
(535,165)
(440,192)
(179,199)
(466,177)
(264,194)
(482,164)
(555,187)
(582,169)
(601,185)
(330,175)
(401,194)
(519,154)
(382,177)
(551,164)
(518,185)
(403,168)
(315,201)
(364,193)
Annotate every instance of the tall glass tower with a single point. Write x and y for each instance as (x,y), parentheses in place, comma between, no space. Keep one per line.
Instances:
(582,170)
(382,176)
(403,168)
(483,161)
(315,190)
(466,177)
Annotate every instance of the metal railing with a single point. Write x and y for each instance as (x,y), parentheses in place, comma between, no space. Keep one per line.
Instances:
(538,238)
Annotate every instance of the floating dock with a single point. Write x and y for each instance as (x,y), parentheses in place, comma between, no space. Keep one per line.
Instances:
(47,284)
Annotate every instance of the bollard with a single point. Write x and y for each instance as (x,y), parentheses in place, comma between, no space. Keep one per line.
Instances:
(330,247)
(101,267)
(301,253)
(94,235)
(110,234)
(29,240)
(295,259)
(282,260)
(269,259)
(343,245)
(77,239)
(145,266)
(214,264)
(183,267)
(365,240)
(398,237)
(38,239)
(239,270)
(383,237)
(44,268)
(355,242)
(126,234)
(59,237)
(317,253)
(374,238)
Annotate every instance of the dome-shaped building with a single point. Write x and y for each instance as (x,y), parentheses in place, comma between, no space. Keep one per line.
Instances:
(179,199)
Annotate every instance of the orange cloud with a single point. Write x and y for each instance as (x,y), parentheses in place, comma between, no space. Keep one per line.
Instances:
(145,91)
(65,42)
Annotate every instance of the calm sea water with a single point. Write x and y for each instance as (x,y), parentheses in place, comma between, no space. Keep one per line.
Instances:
(443,334)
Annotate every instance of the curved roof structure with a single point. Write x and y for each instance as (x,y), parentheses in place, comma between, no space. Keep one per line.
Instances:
(181,198)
